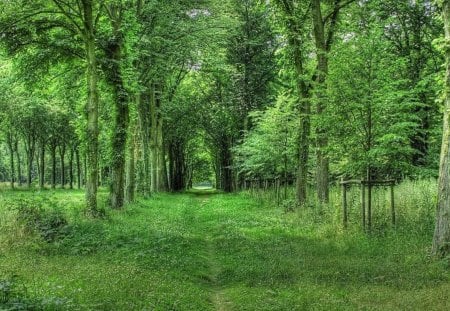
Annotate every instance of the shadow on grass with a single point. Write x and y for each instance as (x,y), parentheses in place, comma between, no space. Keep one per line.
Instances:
(262,259)
(201,192)
(277,261)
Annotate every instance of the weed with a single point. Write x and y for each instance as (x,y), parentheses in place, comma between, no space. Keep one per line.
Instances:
(12,297)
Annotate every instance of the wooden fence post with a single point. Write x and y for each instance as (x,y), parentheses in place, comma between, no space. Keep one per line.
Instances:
(369,204)
(392,204)
(278,191)
(344,203)
(363,204)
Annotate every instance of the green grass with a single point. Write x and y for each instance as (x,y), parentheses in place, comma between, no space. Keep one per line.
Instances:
(205,250)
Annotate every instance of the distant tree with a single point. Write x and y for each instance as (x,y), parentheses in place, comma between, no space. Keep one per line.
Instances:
(268,151)
(61,29)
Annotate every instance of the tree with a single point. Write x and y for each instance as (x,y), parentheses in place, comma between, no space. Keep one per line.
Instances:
(251,50)
(441,240)
(410,27)
(72,24)
(268,151)
(324,29)
(294,16)
(369,106)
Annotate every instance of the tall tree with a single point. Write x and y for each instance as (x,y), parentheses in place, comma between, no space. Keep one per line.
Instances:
(294,15)
(113,64)
(441,240)
(61,29)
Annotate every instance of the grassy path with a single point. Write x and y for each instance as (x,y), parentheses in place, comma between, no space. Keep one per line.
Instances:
(209,251)
(218,298)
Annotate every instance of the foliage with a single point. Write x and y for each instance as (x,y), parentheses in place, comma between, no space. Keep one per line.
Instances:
(269,149)
(50,224)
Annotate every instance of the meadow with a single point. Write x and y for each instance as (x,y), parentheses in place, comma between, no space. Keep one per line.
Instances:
(205,250)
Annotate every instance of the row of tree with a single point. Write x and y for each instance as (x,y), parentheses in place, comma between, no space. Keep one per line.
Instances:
(135,54)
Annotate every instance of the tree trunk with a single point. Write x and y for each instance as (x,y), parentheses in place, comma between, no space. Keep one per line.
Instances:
(144,127)
(171,166)
(53,155)
(62,155)
(322,171)
(226,173)
(72,151)
(91,109)
(153,140)
(304,126)
(131,172)
(30,148)
(42,166)
(38,165)
(19,166)
(441,240)
(162,168)
(176,166)
(11,158)
(77,157)
(85,174)
(119,139)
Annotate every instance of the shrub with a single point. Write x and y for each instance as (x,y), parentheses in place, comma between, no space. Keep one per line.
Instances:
(14,297)
(51,224)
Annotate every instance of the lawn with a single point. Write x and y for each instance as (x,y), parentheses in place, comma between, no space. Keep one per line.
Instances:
(204,250)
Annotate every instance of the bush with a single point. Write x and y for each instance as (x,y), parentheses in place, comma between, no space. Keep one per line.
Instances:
(51,224)
(14,297)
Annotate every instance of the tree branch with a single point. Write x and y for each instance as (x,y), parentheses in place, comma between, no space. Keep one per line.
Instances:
(337,8)
(68,15)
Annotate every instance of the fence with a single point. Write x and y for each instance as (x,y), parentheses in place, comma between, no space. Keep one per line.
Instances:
(278,189)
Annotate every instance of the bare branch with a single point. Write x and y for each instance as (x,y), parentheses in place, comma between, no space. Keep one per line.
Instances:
(70,16)
(337,8)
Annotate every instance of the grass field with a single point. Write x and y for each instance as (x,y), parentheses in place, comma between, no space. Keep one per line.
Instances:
(209,251)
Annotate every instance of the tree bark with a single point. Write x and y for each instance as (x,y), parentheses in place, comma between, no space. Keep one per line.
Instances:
(19,166)
(53,155)
(441,240)
(119,139)
(226,173)
(10,143)
(162,168)
(153,140)
(304,125)
(77,157)
(30,147)
(322,171)
(144,127)
(91,109)
(62,157)
(42,165)
(72,151)
(131,171)
(176,166)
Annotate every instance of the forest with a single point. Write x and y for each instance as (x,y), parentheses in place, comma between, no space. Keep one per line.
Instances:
(224,154)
